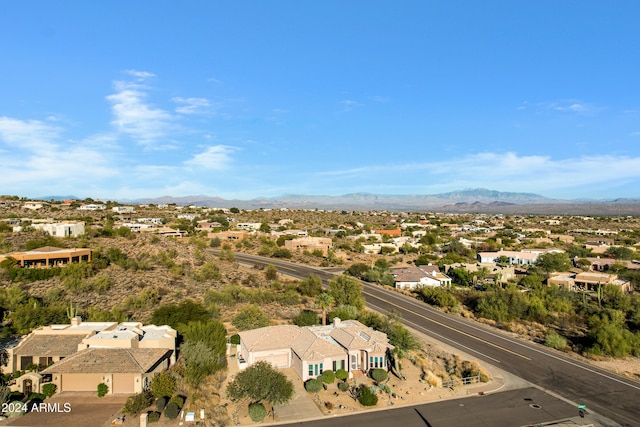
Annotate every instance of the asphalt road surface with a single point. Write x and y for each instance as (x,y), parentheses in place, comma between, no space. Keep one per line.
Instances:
(605,393)
(523,407)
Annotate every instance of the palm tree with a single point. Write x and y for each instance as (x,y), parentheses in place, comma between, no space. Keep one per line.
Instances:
(325,302)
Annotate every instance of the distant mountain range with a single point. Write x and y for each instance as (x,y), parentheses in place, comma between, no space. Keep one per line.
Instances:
(478,200)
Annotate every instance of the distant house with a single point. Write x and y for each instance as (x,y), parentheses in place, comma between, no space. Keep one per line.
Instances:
(49,256)
(347,345)
(393,233)
(310,244)
(414,277)
(93,207)
(588,281)
(62,228)
(35,205)
(524,257)
(124,209)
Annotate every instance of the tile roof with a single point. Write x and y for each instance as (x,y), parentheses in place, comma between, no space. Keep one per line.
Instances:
(49,345)
(109,360)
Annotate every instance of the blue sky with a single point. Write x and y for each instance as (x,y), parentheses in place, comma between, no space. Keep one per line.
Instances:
(244,99)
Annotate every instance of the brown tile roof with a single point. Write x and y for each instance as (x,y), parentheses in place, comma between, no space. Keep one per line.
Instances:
(49,345)
(109,360)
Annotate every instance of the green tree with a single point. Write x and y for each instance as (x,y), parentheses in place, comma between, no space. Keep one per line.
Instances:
(554,261)
(261,382)
(306,318)
(250,317)
(325,302)
(311,286)
(163,385)
(347,290)
(180,314)
(199,361)
(210,332)
(271,272)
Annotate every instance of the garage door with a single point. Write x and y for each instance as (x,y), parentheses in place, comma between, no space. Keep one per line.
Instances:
(123,383)
(80,382)
(277,360)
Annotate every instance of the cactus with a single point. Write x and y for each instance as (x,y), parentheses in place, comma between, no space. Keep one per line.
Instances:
(72,311)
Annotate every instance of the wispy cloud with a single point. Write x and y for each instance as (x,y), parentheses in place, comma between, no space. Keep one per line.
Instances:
(349,104)
(192,105)
(215,157)
(27,134)
(574,106)
(508,172)
(140,75)
(133,116)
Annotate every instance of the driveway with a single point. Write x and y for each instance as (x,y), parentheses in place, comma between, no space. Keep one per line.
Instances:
(301,406)
(84,409)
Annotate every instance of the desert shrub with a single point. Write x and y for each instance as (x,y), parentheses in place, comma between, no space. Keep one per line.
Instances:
(250,317)
(171,411)
(367,397)
(282,253)
(49,389)
(257,412)
(163,384)
(343,386)
(136,403)
(235,339)
(327,377)
(306,318)
(341,374)
(555,340)
(178,400)
(313,385)
(379,375)
(161,403)
(102,389)
(385,388)
(154,417)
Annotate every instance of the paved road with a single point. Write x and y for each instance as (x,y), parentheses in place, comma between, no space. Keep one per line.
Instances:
(610,395)
(522,407)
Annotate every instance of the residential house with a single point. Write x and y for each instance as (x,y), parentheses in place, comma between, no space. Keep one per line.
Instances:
(588,281)
(324,244)
(80,355)
(523,257)
(93,207)
(418,276)
(49,256)
(347,345)
(62,228)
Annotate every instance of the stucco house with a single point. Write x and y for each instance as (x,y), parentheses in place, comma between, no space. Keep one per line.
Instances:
(588,281)
(414,277)
(76,355)
(347,345)
(49,256)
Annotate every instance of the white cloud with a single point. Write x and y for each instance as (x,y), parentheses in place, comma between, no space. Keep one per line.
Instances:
(27,134)
(140,75)
(508,172)
(134,117)
(192,105)
(573,106)
(216,157)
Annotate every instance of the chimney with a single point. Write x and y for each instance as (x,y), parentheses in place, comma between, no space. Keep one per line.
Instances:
(336,322)
(75,321)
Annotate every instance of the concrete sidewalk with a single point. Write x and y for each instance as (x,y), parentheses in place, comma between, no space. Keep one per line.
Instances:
(301,406)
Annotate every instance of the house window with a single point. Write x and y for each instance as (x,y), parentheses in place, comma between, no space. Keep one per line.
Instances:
(338,364)
(315,369)
(354,362)
(377,362)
